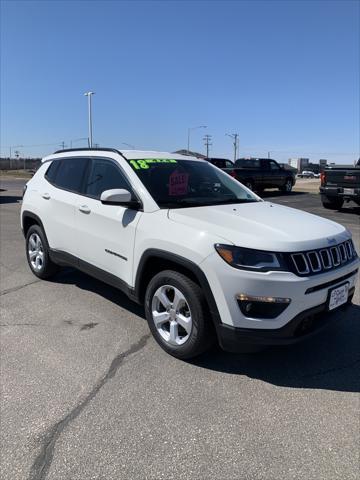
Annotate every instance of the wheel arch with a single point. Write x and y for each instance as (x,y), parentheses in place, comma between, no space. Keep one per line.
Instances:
(154,261)
(29,219)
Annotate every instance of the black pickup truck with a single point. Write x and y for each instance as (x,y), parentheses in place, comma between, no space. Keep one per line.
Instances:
(260,173)
(339,184)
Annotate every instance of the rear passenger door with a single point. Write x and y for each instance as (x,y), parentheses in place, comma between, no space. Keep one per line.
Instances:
(59,195)
(105,234)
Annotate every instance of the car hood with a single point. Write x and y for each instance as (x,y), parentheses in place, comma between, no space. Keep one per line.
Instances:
(263,226)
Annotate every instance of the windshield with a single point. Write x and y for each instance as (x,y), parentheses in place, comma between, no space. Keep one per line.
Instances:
(188,183)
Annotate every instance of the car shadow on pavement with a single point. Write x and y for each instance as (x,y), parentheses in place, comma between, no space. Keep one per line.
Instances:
(69,276)
(355,210)
(329,360)
(9,199)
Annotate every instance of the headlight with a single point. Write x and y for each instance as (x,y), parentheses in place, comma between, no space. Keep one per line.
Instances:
(249,259)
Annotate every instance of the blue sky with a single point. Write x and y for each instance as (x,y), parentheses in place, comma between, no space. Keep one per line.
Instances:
(282,74)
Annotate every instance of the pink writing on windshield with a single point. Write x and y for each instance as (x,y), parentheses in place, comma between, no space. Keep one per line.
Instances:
(178,183)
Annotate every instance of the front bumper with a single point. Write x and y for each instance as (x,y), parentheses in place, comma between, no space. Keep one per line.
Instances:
(304,325)
(304,316)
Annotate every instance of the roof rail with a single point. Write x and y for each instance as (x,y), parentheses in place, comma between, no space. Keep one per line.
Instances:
(114,150)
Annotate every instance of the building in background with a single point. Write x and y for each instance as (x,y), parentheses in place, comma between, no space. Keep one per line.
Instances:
(293,162)
(299,163)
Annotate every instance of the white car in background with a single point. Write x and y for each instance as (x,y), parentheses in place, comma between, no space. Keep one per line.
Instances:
(207,257)
(307,174)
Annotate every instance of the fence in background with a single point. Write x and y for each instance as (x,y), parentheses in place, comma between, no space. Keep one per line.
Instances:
(19,163)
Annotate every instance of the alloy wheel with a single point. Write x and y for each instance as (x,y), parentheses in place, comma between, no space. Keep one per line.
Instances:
(36,252)
(171,315)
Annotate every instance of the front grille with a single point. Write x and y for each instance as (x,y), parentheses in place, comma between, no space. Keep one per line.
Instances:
(317,261)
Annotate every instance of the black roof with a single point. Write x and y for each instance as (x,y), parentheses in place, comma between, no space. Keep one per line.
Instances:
(114,150)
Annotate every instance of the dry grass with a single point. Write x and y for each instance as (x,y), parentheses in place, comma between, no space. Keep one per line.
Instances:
(15,174)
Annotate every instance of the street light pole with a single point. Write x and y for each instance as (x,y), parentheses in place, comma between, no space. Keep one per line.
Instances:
(189,131)
(90,139)
(235,137)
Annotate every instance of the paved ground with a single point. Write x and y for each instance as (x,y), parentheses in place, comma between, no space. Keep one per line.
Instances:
(87,394)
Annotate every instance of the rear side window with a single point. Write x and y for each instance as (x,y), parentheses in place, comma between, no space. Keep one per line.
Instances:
(51,171)
(104,175)
(70,173)
(248,163)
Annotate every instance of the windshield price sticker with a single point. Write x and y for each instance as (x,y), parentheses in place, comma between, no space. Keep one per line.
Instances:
(146,162)
(178,183)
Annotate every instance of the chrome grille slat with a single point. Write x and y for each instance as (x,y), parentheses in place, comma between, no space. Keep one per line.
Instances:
(314,261)
(303,267)
(335,255)
(317,261)
(325,254)
(343,256)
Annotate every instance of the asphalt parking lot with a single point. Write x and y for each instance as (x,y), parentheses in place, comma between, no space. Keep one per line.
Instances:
(87,394)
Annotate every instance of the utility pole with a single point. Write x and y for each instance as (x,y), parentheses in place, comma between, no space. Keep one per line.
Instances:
(235,137)
(269,154)
(89,95)
(62,145)
(207,142)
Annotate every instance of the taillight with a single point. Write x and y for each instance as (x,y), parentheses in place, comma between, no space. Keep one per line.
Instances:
(232,173)
(322,178)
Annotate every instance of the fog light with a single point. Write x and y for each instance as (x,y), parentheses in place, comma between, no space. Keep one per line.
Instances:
(262,307)
(252,298)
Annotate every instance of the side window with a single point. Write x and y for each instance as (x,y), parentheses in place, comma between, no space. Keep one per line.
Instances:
(104,175)
(228,164)
(52,170)
(219,163)
(274,166)
(70,174)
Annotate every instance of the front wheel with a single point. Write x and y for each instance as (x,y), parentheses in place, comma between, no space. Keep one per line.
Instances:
(178,316)
(287,187)
(249,184)
(332,203)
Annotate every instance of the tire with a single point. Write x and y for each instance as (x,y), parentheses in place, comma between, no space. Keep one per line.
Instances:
(185,329)
(249,184)
(332,203)
(37,253)
(287,187)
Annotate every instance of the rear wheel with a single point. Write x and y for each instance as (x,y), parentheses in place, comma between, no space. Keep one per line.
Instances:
(332,203)
(178,316)
(37,253)
(287,187)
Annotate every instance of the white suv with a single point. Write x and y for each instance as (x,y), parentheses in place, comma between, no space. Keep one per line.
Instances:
(207,257)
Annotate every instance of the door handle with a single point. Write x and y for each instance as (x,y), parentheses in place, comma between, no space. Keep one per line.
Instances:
(84,209)
(46,196)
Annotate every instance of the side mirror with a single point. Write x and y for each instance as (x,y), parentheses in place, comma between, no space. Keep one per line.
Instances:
(118,196)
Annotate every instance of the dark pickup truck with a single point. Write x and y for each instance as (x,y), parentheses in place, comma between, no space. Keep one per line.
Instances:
(260,173)
(340,184)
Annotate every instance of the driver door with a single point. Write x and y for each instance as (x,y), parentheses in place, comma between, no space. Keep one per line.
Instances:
(105,233)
